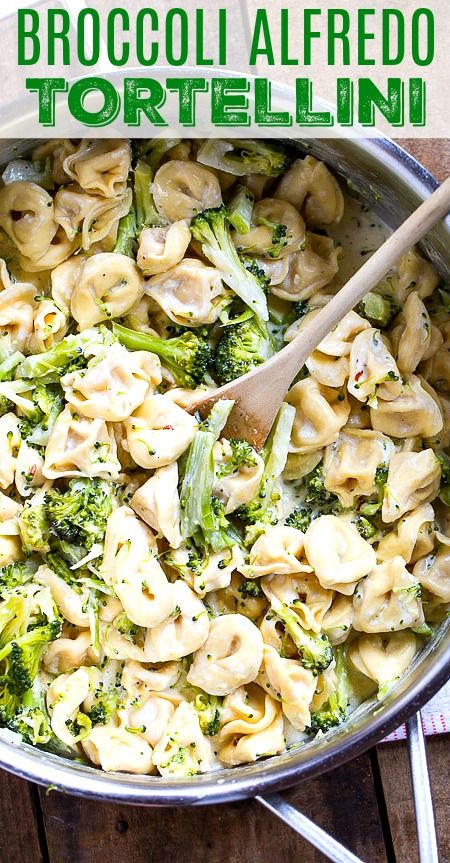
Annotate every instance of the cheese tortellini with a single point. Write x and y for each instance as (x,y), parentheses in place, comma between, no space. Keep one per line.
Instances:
(191,294)
(197,603)
(107,286)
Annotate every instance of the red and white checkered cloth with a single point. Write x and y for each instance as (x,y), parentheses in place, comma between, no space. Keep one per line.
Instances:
(435,717)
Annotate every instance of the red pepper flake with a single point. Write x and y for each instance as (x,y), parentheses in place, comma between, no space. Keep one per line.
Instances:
(168,428)
(358,375)
(33,470)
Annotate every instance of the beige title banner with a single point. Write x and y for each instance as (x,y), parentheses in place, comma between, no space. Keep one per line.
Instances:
(312,68)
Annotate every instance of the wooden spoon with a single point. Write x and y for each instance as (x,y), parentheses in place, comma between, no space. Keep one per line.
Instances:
(258,394)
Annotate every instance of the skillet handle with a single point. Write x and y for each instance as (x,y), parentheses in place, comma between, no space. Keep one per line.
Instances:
(423,801)
(423,804)
(306,828)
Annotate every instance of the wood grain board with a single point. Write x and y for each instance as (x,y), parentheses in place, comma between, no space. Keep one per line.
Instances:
(367,804)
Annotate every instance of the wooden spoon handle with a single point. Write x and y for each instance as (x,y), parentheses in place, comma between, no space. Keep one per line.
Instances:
(367,277)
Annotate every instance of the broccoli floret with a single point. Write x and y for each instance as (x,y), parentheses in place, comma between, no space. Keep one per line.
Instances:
(315,650)
(240,157)
(146,213)
(240,209)
(262,509)
(105,704)
(34,528)
(250,589)
(242,347)
(334,711)
(202,515)
(187,356)
(15,614)
(17,574)
(365,527)
(300,518)
(317,495)
(49,401)
(32,721)
(79,515)
(380,309)
(242,455)
(381,475)
(317,501)
(209,709)
(300,309)
(279,239)
(444,492)
(126,234)
(20,659)
(126,627)
(212,230)
(70,353)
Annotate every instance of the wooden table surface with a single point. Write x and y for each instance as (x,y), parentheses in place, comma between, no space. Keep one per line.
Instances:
(367,804)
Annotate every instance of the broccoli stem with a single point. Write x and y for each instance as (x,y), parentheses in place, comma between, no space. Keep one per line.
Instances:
(378,308)
(152,150)
(126,234)
(240,210)
(197,513)
(211,229)
(146,212)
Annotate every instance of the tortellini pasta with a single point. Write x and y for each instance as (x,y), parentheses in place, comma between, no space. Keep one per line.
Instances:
(230,657)
(433,572)
(107,286)
(412,538)
(184,631)
(27,217)
(373,372)
(131,566)
(182,189)
(339,556)
(309,270)
(415,411)
(157,502)
(239,486)
(100,167)
(158,432)
(310,187)
(117,749)
(17,309)
(413,479)
(383,658)
(113,388)
(183,750)
(412,334)
(80,446)
(162,248)
(252,726)
(277,551)
(94,217)
(351,462)
(387,599)
(268,215)
(291,684)
(191,294)
(320,413)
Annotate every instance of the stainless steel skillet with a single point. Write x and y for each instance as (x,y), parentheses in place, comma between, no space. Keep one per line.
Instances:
(393,183)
